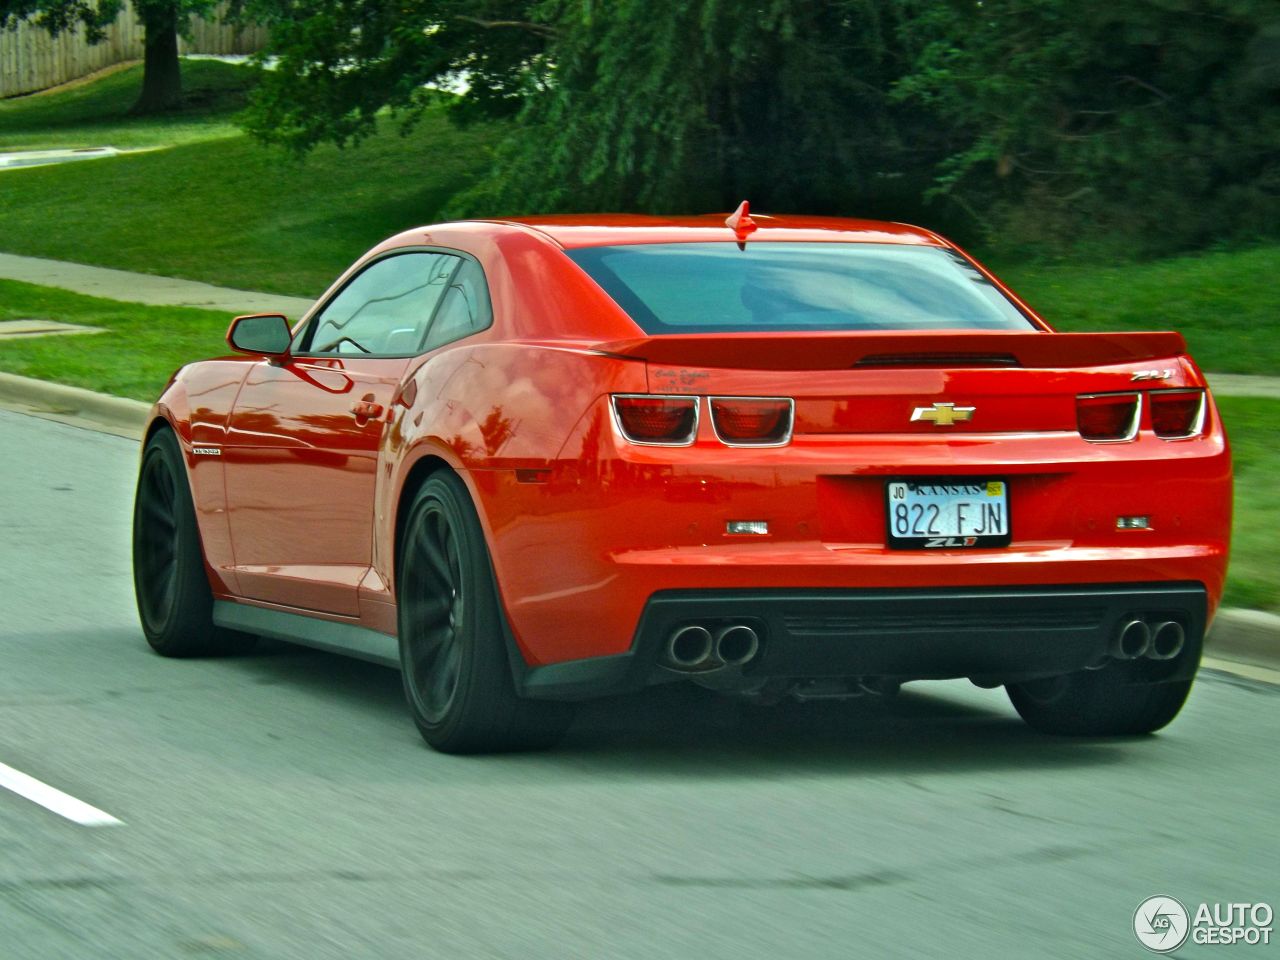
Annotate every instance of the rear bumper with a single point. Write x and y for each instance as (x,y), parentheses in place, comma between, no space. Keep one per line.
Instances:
(993,635)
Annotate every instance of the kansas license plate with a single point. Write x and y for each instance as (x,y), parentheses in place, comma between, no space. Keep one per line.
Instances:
(947,513)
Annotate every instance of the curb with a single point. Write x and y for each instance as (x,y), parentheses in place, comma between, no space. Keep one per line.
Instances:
(1244,636)
(74,405)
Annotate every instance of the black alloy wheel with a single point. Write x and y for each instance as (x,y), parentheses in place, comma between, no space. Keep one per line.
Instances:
(434,609)
(155,540)
(175,603)
(453,656)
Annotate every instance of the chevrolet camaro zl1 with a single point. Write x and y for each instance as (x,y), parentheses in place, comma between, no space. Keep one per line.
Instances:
(537,461)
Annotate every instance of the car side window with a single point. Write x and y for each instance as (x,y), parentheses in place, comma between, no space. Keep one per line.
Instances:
(464,308)
(385,309)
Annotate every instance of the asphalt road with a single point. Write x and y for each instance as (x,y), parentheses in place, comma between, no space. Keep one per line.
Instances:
(281,805)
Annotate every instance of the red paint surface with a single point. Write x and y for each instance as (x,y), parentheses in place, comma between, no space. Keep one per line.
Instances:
(299,511)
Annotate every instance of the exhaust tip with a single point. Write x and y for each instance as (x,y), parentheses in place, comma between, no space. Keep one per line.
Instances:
(689,646)
(1133,640)
(737,644)
(1167,640)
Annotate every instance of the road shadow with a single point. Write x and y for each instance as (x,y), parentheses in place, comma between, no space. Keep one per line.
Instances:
(681,730)
(686,732)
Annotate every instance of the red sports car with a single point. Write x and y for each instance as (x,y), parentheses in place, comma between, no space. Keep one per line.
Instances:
(536,461)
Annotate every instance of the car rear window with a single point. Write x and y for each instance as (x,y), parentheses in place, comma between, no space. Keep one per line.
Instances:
(776,286)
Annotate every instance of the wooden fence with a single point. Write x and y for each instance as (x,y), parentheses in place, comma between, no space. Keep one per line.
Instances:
(32,60)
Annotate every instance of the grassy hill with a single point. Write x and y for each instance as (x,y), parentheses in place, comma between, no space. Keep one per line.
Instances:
(96,113)
(207,203)
(1226,304)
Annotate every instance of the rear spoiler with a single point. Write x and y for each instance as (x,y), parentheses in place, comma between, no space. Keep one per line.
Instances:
(931,348)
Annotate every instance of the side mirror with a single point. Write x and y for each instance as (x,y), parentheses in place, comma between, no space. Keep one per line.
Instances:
(260,334)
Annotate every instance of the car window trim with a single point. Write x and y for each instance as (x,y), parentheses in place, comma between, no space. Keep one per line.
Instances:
(307,329)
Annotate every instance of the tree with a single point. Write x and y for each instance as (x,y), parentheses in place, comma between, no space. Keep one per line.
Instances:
(696,104)
(1146,126)
(162,21)
(339,62)
(630,104)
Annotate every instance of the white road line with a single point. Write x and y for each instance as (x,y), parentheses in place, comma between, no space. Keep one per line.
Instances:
(51,798)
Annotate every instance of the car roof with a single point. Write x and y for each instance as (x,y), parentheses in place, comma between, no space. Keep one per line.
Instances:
(602,230)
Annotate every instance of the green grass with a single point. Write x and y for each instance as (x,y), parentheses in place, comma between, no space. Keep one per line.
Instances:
(144,345)
(232,212)
(1225,304)
(134,358)
(97,114)
(1253,427)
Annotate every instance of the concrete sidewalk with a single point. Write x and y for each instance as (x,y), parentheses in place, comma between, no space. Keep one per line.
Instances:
(145,288)
(1243,385)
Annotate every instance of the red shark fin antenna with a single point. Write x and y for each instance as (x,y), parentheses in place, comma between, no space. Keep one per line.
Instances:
(741,224)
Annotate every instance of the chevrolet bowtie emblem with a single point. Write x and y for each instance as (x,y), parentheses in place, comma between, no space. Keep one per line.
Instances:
(942,414)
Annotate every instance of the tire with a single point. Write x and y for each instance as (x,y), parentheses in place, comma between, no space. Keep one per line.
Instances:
(1096,703)
(175,603)
(457,678)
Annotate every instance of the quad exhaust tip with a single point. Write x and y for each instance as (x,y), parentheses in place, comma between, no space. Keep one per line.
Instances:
(1167,640)
(694,647)
(1132,640)
(689,647)
(1136,638)
(737,644)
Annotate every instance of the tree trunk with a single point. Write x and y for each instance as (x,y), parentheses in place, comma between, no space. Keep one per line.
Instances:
(161,75)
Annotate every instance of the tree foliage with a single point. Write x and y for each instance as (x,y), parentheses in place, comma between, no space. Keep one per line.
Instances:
(339,62)
(58,16)
(163,21)
(1149,125)
(1154,123)
(697,104)
(631,104)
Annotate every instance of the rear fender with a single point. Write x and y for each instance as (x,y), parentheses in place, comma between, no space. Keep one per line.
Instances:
(497,415)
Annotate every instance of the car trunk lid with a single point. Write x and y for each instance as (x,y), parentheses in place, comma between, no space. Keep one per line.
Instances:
(909,383)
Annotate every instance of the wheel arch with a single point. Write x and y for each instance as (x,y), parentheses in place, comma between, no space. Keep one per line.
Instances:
(158,422)
(204,487)
(422,470)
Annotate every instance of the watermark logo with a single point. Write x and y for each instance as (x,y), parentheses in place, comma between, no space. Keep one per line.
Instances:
(1161,924)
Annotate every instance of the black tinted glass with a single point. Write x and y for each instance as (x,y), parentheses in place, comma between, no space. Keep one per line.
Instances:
(715,287)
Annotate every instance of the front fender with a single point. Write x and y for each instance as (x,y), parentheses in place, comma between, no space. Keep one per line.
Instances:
(196,406)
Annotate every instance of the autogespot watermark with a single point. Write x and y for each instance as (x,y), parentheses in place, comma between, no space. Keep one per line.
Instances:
(1162,924)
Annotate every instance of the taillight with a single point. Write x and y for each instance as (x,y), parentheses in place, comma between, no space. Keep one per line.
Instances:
(752,421)
(660,420)
(1107,416)
(1177,414)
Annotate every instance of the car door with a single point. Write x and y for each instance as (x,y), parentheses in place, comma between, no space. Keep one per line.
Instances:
(302,446)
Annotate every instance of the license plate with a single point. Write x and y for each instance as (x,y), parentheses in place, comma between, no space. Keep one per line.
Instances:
(947,513)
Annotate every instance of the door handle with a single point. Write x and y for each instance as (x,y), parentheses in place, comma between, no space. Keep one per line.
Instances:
(366,409)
